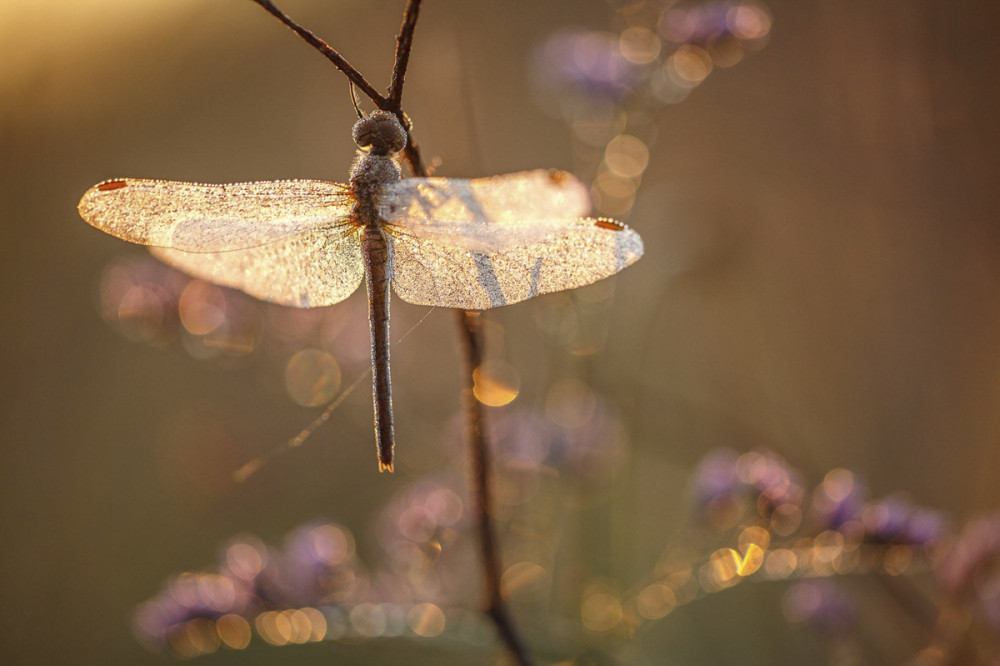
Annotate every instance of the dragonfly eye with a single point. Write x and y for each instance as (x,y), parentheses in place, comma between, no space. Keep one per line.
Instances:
(379,133)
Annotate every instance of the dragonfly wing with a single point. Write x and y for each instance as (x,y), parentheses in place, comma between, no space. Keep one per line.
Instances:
(485,214)
(572,254)
(487,242)
(309,270)
(214,218)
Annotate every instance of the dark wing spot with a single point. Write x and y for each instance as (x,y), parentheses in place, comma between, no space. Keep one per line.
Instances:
(556,177)
(111,185)
(609,224)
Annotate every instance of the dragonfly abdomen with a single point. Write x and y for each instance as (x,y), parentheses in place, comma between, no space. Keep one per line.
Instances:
(377,254)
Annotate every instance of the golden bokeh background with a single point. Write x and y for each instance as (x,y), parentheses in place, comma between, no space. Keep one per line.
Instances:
(820,279)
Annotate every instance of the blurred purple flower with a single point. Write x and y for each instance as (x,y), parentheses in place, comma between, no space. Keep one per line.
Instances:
(988,594)
(589,62)
(895,519)
(188,596)
(715,476)
(420,531)
(526,438)
(523,436)
(711,22)
(820,605)
(771,476)
(723,473)
(139,297)
(885,519)
(316,566)
(925,526)
(978,544)
(698,24)
(594,451)
(839,499)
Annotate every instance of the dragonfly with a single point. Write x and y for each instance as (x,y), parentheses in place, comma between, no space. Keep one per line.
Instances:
(468,244)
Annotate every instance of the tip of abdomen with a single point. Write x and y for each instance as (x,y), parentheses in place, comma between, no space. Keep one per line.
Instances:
(384,446)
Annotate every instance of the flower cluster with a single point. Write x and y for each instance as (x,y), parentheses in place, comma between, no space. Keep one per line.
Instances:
(726,482)
(195,612)
(314,588)
(608,86)
(970,569)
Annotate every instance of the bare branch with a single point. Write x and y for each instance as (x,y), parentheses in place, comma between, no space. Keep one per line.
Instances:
(411,154)
(404,42)
(332,55)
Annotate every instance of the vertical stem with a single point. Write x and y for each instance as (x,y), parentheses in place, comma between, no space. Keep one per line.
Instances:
(471,332)
(404,42)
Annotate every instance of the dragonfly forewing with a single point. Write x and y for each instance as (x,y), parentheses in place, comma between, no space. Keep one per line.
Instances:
(485,214)
(196,217)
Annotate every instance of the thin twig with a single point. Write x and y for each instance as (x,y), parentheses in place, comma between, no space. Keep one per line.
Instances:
(469,325)
(412,156)
(331,54)
(404,42)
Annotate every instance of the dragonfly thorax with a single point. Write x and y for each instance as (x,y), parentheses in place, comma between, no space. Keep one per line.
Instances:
(379,137)
(371,172)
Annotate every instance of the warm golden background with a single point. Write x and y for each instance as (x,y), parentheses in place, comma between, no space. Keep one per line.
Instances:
(820,278)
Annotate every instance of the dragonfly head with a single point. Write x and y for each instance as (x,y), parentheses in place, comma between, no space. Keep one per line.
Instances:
(379,133)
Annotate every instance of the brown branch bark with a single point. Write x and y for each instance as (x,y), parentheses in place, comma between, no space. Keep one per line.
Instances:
(470,326)
(404,42)
(470,330)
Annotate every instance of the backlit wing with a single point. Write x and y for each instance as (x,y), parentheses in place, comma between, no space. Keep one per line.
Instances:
(491,242)
(213,218)
(289,242)
(485,214)
(306,271)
